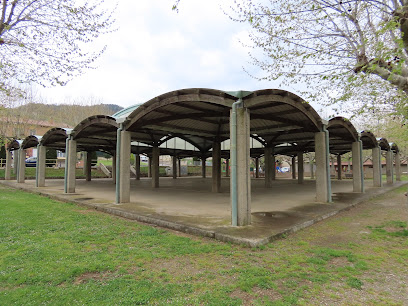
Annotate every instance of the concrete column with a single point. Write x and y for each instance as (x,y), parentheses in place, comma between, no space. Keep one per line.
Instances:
(257,167)
(243,167)
(149,167)
(203,167)
(397,166)
(174,167)
(124,167)
(216,167)
(137,166)
(294,167)
(71,165)
(41,160)
(389,158)
(357,167)
(339,167)
(227,172)
(155,167)
(179,167)
(87,165)
(269,167)
(312,170)
(21,166)
(15,161)
(7,172)
(301,172)
(114,167)
(376,152)
(273,165)
(323,183)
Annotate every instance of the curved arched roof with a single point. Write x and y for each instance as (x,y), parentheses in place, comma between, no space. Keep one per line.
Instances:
(394,147)
(55,138)
(383,144)
(96,133)
(342,134)
(202,115)
(30,141)
(14,144)
(368,139)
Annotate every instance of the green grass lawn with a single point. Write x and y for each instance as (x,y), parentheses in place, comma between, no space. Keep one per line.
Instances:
(55,173)
(55,253)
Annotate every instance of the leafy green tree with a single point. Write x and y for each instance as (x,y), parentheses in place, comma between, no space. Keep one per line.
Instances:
(45,41)
(353,49)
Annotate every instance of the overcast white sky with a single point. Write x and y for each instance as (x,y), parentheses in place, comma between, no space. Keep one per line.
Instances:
(157,50)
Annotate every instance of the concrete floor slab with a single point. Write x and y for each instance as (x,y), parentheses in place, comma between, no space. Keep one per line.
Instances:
(187,204)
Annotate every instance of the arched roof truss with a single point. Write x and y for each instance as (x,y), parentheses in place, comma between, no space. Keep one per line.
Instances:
(55,138)
(342,134)
(30,142)
(278,116)
(96,133)
(203,115)
(383,144)
(368,139)
(14,144)
(394,147)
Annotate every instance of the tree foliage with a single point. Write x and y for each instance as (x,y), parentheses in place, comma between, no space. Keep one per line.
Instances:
(45,41)
(354,49)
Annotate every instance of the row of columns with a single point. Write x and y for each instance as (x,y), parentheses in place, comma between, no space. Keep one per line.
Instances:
(270,175)
(242,193)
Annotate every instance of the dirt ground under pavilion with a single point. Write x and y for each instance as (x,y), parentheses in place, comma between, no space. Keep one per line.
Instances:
(187,204)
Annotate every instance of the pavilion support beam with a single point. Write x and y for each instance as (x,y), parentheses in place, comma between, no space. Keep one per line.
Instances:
(21,166)
(41,164)
(124,167)
(87,166)
(257,167)
(155,166)
(114,167)
(323,183)
(174,167)
(243,167)
(377,181)
(216,167)
(294,167)
(273,162)
(397,167)
(312,176)
(15,161)
(149,167)
(339,167)
(301,172)
(227,170)
(269,167)
(358,179)
(203,167)
(137,166)
(72,160)
(179,167)
(7,172)
(389,166)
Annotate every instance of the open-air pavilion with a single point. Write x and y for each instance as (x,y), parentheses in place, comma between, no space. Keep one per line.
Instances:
(212,123)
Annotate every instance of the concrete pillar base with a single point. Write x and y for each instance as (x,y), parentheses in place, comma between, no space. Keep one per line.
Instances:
(323,183)
(72,160)
(358,184)
(41,160)
(7,172)
(377,181)
(216,167)
(21,166)
(155,167)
